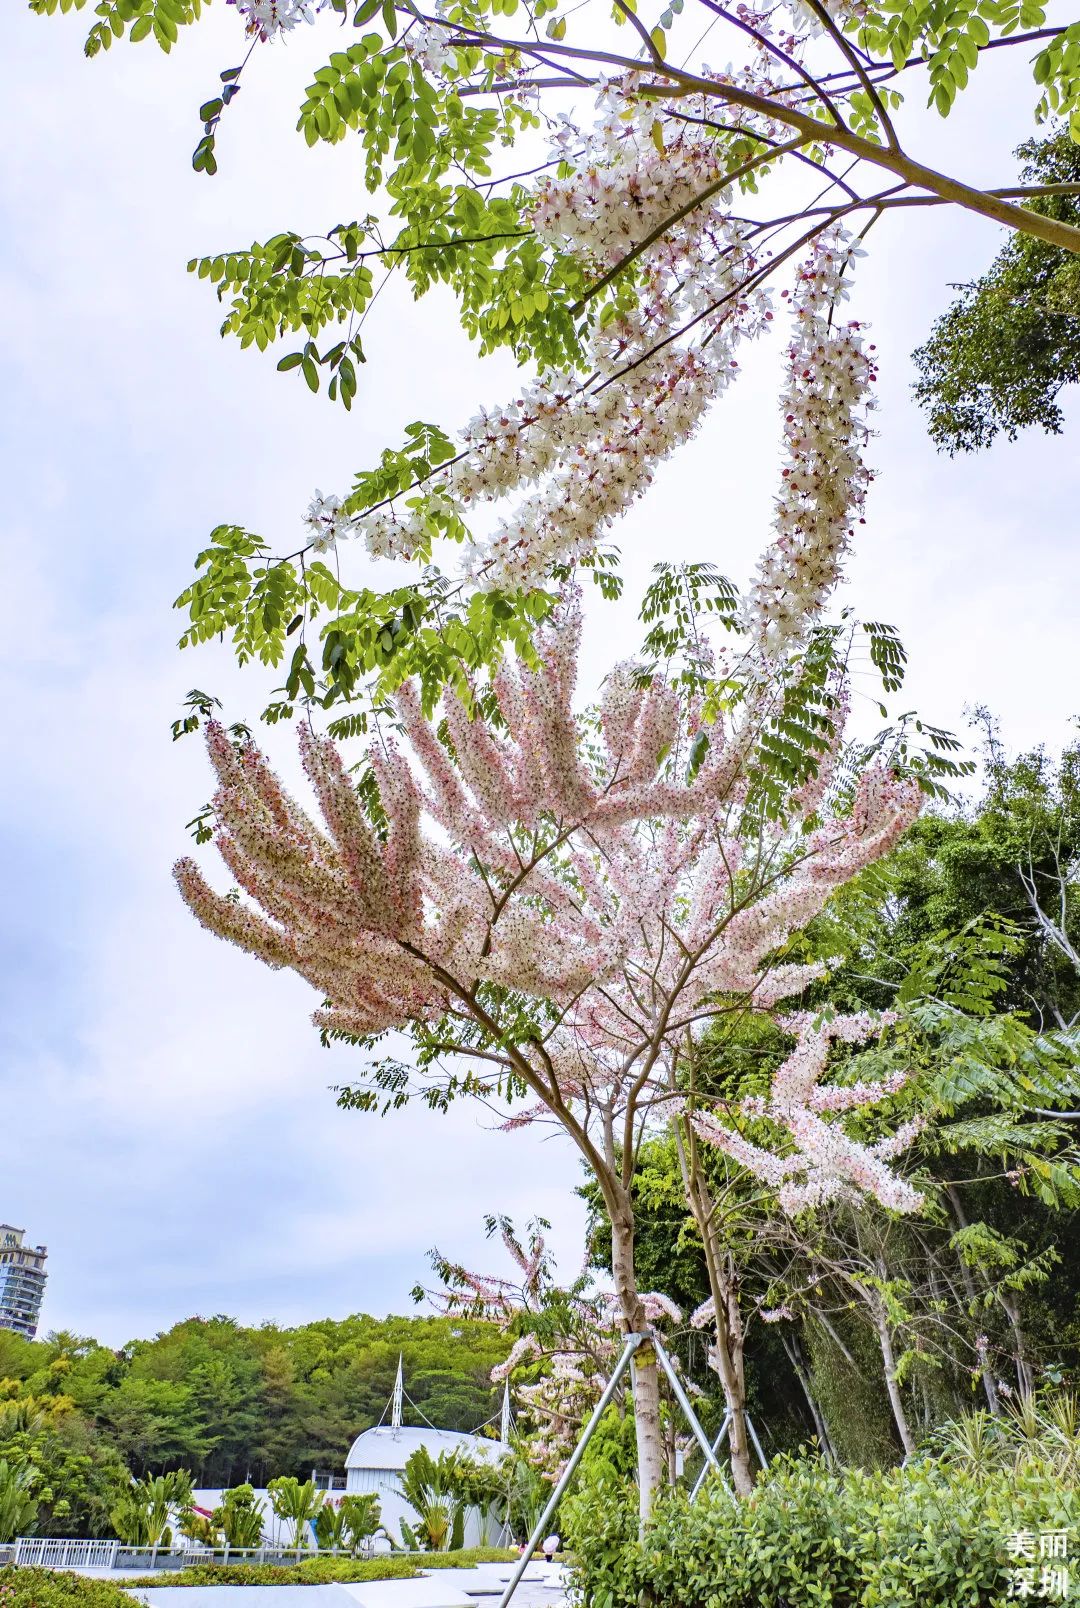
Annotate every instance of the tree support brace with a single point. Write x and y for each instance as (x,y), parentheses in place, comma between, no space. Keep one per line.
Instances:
(633,1341)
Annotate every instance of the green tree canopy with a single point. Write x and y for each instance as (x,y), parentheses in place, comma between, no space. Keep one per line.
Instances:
(998,359)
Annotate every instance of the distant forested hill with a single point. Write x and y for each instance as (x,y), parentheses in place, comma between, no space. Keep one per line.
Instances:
(230,1402)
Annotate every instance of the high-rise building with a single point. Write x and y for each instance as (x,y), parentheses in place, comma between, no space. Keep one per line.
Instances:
(22,1281)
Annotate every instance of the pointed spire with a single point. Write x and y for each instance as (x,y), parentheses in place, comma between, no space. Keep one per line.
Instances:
(399,1393)
(504,1423)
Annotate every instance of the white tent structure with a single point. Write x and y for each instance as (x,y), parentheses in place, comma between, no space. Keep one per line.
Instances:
(378,1456)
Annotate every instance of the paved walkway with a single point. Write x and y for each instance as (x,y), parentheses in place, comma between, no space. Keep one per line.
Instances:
(544,1586)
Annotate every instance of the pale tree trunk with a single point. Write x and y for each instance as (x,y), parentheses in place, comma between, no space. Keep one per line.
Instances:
(1025,1378)
(724,1289)
(671,1451)
(731,1367)
(644,1368)
(881,1323)
(987,1373)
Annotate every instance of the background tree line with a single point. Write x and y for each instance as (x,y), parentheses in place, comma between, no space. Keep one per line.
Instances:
(227,1402)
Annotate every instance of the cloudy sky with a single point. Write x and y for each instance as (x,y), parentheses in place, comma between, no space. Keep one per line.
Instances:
(168,1129)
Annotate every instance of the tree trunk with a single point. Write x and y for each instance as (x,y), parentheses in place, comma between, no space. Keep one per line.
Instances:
(724,1289)
(730,1366)
(895,1401)
(794,1350)
(1024,1375)
(644,1369)
(671,1451)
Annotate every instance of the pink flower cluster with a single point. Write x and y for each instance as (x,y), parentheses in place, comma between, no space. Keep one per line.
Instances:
(582,1335)
(614,894)
(821,1161)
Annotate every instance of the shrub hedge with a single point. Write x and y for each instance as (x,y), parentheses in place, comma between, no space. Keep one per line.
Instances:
(321,1571)
(56,1588)
(922,1536)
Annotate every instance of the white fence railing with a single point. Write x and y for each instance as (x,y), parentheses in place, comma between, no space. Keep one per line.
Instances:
(50,1552)
(47,1552)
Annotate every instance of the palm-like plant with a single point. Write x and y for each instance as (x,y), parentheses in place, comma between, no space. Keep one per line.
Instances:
(197,1527)
(1034,1429)
(362,1517)
(239,1518)
(347,1525)
(295,1502)
(141,1515)
(18,1506)
(330,1528)
(433,1488)
(128,1518)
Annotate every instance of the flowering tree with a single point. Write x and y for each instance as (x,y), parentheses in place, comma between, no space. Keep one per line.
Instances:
(560,911)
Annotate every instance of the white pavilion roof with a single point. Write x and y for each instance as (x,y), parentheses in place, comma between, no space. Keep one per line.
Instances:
(390,1447)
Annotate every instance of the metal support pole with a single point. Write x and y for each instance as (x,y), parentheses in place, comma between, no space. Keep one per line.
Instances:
(719,1441)
(762,1459)
(716,1445)
(691,1416)
(684,1402)
(632,1343)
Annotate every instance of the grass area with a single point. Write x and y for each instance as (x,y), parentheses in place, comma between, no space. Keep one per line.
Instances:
(316,1571)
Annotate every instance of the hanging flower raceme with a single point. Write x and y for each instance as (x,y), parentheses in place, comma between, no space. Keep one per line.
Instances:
(824,480)
(577,452)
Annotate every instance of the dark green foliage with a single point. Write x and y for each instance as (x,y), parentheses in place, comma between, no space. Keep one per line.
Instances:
(946,931)
(851,1394)
(923,1536)
(998,359)
(999,861)
(78,1474)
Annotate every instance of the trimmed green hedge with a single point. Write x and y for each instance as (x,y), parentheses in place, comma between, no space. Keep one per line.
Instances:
(922,1536)
(320,1571)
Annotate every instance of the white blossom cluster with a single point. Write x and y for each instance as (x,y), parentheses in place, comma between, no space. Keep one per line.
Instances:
(326,521)
(840,11)
(824,480)
(825,1161)
(579,453)
(428,43)
(268,18)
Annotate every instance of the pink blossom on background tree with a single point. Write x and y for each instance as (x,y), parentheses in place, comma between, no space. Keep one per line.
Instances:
(569,1336)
